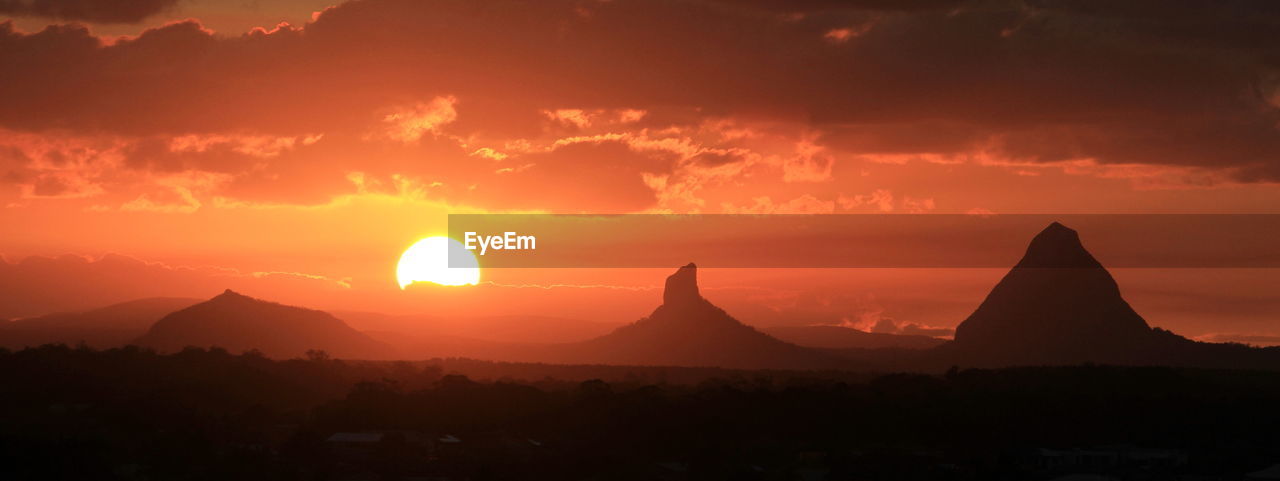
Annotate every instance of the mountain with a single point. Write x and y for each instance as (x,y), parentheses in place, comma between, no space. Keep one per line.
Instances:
(109,326)
(1059,305)
(838,337)
(687,330)
(237,323)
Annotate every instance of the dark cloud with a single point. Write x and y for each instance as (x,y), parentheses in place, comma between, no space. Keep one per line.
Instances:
(714,159)
(96,11)
(49,186)
(1136,82)
(600,177)
(13,165)
(911,329)
(810,6)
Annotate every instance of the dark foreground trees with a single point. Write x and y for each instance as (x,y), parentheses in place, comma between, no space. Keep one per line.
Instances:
(69,413)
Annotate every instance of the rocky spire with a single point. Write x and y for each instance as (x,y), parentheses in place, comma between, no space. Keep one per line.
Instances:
(682,287)
(688,330)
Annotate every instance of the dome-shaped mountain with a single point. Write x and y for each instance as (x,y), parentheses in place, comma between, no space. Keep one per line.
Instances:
(687,330)
(1058,304)
(237,323)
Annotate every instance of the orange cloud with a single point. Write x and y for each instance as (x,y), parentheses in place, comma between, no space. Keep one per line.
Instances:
(287,113)
(410,124)
(805,204)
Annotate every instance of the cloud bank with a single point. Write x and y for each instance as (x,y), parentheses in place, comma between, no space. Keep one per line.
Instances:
(97,11)
(633,105)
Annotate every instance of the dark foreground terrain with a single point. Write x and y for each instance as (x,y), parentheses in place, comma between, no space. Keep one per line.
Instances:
(205,414)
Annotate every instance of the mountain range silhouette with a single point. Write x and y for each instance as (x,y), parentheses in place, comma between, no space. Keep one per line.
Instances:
(104,327)
(1057,305)
(237,323)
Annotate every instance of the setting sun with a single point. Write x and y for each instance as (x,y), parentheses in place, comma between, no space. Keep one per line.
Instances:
(428,261)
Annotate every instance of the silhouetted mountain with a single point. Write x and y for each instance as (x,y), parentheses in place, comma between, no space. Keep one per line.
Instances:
(109,326)
(837,337)
(1059,305)
(237,323)
(687,330)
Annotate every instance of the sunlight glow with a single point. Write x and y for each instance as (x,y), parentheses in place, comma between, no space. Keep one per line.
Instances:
(428,261)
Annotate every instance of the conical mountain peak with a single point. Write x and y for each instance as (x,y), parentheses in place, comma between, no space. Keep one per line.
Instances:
(237,322)
(1057,246)
(230,294)
(230,298)
(682,287)
(1058,305)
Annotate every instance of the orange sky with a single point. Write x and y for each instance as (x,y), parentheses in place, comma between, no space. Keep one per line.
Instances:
(179,133)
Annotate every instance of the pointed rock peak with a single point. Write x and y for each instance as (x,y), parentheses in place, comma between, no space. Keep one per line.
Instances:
(1057,227)
(230,295)
(1057,246)
(682,287)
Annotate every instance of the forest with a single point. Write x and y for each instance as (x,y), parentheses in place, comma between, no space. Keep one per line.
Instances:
(77,413)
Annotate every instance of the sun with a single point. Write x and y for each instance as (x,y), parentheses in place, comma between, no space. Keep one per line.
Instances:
(428,261)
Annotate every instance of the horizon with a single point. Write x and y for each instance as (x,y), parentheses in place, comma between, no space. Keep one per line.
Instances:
(1056,247)
(752,304)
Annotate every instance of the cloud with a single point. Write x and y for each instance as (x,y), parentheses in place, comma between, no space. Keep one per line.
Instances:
(881,200)
(810,163)
(812,6)
(97,11)
(1043,81)
(411,123)
(253,145)
(1157,95)
(174,194)
(185,204)
(488,153)
(1251,339)
(891,326)
(586,118)
(603,176)
(805,204)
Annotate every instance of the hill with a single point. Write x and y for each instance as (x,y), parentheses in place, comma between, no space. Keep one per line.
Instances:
(237,323)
